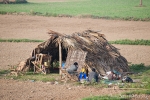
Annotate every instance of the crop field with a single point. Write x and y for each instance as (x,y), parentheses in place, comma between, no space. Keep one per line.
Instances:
(109,9)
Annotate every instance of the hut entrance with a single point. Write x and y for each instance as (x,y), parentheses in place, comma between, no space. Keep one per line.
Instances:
(55,64)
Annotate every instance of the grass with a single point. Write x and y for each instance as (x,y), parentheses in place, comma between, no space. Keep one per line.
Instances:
(138,92)
(124,42)
(143,74)
(2,72)
(20,40)
(139,68)
(109,9)
(142,87)
(30,76)
(36,77)
(131,42)
(107,98)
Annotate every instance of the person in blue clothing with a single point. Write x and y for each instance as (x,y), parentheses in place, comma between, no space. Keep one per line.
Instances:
(63,64)
(93,76)
(82,74)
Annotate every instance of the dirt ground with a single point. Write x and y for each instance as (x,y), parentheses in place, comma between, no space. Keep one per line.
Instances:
(36,27)
(28,90)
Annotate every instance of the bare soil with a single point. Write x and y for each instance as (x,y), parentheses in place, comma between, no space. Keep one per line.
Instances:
(36,27)
(19,90)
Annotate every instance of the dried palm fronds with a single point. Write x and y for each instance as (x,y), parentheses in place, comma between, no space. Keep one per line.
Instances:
(100,54)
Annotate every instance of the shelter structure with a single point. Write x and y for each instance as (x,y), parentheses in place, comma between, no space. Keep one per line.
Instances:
(89,48)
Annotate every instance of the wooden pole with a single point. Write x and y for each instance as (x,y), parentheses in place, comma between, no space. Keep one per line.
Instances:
(140,2)
(60,57)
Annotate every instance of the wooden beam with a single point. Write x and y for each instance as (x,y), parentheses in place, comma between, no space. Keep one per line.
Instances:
(60,56)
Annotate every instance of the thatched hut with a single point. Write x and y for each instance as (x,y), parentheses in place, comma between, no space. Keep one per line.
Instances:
(88,48)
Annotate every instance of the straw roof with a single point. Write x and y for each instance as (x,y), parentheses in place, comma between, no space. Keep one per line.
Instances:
(100,54)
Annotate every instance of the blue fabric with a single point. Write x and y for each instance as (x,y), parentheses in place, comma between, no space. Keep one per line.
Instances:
(63,65)
(82,76)
(116,72)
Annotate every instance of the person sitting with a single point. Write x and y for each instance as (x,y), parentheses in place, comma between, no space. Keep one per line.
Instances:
(117,74)
(73,68)
(82,75)
(93,76)
(127,79)
(110,75)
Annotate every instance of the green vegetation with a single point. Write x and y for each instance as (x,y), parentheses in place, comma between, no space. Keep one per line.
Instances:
(126,41)
(142,73)
(138,92)
(19,1)
(2,72)
(131,42)
(139,68)
(109,9)
(12,1)
(106,98)
(29,76)
(20,40)
(55,64)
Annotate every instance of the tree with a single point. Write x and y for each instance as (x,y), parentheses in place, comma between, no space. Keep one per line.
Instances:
(140,2)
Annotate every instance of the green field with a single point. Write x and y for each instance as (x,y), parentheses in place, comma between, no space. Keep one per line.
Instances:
(110,9)
(122,42)
(131,42)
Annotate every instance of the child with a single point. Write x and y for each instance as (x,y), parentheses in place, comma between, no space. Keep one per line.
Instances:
(82,75)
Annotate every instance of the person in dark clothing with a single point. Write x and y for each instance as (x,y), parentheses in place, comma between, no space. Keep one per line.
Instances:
(73,68)
(127,79)
(93,76)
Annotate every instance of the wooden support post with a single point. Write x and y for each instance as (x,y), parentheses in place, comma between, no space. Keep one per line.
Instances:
(60,57)
(141,3)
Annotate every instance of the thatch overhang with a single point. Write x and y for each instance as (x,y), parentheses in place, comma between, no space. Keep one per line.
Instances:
(100,54)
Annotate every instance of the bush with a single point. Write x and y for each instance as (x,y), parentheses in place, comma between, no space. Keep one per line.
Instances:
(131,42)
(137,67)
(14,1)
